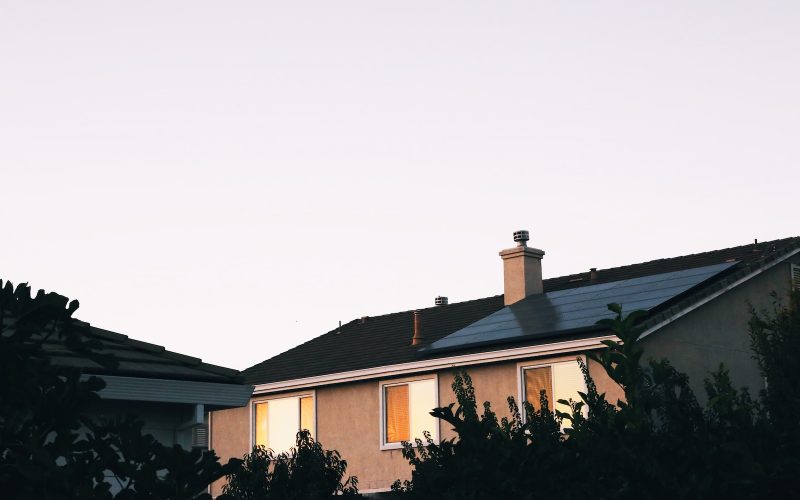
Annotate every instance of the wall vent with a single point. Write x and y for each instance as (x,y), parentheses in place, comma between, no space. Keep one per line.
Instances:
(200,436)
(795,277)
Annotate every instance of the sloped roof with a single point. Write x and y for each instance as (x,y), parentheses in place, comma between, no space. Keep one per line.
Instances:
(139,359)
(386,340)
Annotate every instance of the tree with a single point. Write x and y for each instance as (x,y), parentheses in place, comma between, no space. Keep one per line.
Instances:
(49,447)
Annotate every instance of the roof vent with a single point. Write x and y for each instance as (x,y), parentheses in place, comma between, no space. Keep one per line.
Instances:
(441,301)
(521,237)
(593,274)
(200,436)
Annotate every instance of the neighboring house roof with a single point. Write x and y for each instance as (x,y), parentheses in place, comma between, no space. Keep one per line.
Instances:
(139,359)
(149,372)
(386,340)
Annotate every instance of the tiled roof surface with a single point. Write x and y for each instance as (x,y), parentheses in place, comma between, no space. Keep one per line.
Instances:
(139,359)
(386,340)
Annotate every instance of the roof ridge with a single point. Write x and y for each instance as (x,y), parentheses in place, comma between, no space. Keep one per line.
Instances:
(696,254)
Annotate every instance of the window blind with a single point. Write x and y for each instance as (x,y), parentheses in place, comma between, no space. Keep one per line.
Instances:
(536,381)
(397,417)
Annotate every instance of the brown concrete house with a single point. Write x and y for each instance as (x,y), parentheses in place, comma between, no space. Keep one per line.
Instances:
(367,386)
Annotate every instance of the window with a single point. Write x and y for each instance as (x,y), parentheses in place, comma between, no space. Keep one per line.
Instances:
(558,380)
(276,421)
(406,411)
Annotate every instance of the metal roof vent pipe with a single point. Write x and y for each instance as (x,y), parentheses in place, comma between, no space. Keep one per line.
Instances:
(418,336)
(441,301)
(593,275)
(522,270)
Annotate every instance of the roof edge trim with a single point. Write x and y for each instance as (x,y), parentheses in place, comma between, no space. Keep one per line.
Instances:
(563,347)
(705,300)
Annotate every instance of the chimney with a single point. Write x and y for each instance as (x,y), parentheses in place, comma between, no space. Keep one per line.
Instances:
(522,270)
(418,337)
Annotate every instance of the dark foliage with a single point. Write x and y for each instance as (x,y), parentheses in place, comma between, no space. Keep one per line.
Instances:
(306,472)
(658,443)
(49,447)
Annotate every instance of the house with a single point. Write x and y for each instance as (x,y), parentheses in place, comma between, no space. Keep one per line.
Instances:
(170,392)
(366,386)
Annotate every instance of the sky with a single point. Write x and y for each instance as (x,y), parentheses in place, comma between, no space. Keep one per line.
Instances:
(231,179)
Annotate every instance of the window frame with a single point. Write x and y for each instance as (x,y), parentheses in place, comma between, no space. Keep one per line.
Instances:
(525,365)
(286,395)
(436,431)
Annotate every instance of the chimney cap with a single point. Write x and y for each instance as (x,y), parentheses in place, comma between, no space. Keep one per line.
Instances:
(441,301)
(521,237)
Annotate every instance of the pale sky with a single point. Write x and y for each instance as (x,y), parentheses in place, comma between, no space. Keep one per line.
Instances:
(231,179)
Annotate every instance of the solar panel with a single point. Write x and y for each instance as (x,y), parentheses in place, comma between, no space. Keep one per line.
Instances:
(575,308)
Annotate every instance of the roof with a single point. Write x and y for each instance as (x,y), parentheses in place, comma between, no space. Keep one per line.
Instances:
(139,359)
(385,340)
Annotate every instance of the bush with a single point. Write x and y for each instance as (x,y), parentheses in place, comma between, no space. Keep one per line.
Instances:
(658,443)
(304,473)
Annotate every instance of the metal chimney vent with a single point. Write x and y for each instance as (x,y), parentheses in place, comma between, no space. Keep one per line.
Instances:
(441,301)
(521,237)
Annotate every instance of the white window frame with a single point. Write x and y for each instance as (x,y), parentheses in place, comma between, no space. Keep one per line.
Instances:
(267,398)
(525,365)
(436,432)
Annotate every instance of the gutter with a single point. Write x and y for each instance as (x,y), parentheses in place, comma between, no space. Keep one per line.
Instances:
(210,394)
(434,364)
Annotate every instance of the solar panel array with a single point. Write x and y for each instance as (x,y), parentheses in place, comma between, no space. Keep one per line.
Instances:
(567,310)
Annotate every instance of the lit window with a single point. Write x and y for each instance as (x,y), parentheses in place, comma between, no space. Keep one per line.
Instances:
(277,421)
(406,411)
(557,380)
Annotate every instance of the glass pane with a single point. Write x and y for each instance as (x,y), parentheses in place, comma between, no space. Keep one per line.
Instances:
(422,399)
(307,414)
(261,428)
(397,418)
(567,381)
(536,381)
(283,421)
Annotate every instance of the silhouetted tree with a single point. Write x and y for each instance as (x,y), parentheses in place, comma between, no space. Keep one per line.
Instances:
(49,447)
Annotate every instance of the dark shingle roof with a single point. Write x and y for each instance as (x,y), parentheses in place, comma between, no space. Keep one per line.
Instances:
(386,340)
(139,359)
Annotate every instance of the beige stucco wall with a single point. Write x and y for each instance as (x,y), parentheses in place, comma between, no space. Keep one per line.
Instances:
(717,333)
(348,418)
(229,437)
